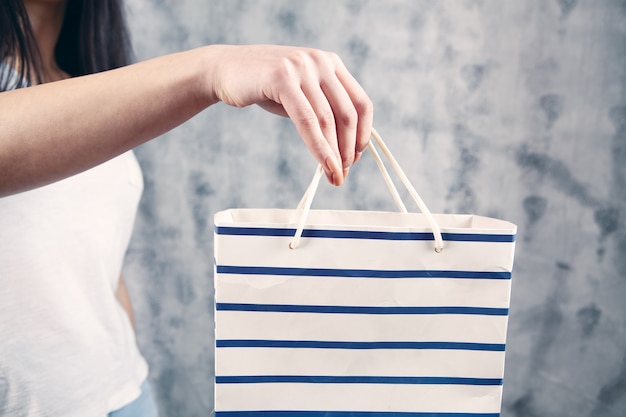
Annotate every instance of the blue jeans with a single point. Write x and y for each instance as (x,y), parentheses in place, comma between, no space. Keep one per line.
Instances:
(143,406)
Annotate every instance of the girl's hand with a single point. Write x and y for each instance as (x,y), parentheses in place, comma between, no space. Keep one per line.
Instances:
(329,108)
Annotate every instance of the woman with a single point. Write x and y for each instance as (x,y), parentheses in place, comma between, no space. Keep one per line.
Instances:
(70,186)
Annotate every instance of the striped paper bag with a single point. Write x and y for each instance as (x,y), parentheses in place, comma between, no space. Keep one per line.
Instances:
(357,313)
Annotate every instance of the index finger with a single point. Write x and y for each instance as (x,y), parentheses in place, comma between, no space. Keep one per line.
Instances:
(301,112)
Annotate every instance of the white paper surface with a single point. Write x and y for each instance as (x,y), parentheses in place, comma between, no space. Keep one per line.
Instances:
(420,331)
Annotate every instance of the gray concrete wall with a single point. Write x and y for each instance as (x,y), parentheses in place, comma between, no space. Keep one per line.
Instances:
(511,109)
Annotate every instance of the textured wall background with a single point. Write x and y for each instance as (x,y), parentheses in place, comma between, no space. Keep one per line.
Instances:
(509,109)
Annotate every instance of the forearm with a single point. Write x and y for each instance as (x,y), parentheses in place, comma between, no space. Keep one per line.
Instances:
(55,130)
(51,131)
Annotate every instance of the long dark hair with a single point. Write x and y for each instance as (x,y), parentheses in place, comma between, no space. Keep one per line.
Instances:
(93,38)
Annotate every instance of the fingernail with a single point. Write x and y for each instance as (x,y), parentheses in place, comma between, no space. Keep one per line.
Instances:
(333,167)
(345,172)
(329,176)
(357,156)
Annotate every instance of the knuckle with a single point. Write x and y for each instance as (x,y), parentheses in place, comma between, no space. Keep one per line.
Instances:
(299,60)
(307,119)
(283,70)
(327,61)
(327,119)
(335,58)
(364,106)
(349,118)
(318,57)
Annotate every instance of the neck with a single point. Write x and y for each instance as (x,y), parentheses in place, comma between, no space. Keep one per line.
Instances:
(46,19)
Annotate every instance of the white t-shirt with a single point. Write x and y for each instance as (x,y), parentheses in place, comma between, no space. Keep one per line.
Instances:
(67,347)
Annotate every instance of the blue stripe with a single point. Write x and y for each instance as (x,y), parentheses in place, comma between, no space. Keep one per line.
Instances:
(358,273)
(361,234)
(323,379)
(320,344)
(475,237)
(284,413)
(486,311)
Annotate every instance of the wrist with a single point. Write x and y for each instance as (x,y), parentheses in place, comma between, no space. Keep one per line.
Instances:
(207,70)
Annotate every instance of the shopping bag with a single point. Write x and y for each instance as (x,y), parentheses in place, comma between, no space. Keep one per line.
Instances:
(357,313)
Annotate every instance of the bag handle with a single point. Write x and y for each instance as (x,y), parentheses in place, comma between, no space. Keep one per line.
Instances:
(386,177)
(307,199)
